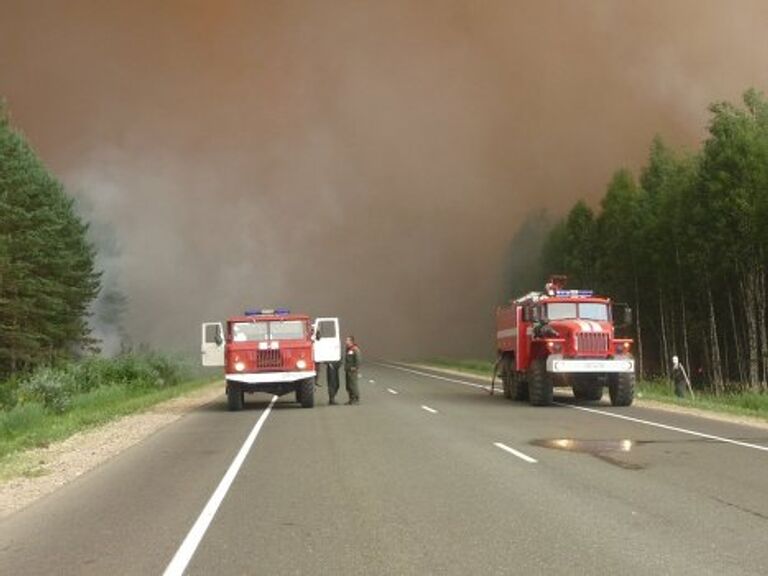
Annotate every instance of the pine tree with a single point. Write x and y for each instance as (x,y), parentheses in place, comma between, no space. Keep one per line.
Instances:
(47,273)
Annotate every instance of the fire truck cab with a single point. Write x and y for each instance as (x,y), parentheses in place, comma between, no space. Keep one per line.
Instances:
(272,351)
(563,338)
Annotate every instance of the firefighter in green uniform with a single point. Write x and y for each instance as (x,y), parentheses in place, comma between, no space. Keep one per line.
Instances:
(332,376)
(351,365)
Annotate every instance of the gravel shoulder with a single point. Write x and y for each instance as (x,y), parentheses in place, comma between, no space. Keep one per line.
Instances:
(35,473)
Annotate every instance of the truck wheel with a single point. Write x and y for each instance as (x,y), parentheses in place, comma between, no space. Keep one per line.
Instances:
(234,397)
(621,388)
(539,384)
(518,388)
(587,389)
(307,393)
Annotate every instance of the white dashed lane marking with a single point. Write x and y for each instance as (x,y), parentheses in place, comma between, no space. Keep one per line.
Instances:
(428,409)
(515,453)
(721,439)
(392,391)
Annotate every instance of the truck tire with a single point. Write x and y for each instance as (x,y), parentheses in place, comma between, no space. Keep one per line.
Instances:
(539,384)
(515,388)
(587,389)
(234,397)
(307,393)
(520,389)
(621,388)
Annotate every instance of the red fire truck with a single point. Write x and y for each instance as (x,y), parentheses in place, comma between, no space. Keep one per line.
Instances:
(564,337)
(270,351)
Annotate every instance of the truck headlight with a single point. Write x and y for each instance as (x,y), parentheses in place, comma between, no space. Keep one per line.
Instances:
(555,347)
(239,366)
(301,364)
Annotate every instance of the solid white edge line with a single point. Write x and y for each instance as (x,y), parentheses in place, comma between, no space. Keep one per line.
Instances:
(668,427)
(392,391)
(428,409)
(436,377)
(600,412)
(188,548)
(516,453)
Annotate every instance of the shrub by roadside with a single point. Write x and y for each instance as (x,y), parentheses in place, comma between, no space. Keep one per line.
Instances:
(55,402)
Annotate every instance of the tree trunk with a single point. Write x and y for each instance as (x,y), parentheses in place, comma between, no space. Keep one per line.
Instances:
(747,285)
(639,331)
(717,367)
(664,346)
(683,313)
(737,341)
(760,300)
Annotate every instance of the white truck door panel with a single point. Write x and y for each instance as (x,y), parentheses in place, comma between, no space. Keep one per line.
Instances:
(213,344)
(327,345)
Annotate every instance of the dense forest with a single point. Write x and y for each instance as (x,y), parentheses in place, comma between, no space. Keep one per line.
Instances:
(685,243)
(48,278)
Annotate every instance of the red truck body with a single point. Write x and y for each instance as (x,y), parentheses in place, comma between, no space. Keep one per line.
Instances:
(562,338)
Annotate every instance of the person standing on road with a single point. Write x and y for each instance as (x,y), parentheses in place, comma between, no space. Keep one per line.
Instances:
(678,377)
(332,376)
(351,366)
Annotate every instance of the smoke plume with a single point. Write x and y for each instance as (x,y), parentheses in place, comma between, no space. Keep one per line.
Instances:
(371,160)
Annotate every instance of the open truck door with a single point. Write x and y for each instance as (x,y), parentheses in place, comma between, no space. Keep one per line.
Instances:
(213,344)
(327,341)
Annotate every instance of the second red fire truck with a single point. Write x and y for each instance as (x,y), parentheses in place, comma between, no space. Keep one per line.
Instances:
(563,337)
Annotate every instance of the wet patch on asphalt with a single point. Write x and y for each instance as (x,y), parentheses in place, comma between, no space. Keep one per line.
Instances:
(605,450)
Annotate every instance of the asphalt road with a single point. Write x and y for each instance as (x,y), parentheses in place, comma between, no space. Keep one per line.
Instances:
(426,476)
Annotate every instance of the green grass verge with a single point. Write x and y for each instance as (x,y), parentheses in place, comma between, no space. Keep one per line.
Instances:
(30,425)
(749,404)
(479,367)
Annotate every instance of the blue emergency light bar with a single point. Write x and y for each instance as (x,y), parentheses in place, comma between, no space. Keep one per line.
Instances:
(268,312)
(575,293)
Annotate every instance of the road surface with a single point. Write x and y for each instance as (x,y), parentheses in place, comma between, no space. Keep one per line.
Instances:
(429,475)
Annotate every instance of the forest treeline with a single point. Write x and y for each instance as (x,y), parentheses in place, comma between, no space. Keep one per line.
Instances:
(685,243)
(47,265)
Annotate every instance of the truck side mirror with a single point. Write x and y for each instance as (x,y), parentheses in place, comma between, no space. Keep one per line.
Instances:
(622,315)
(531,314)
(527,314)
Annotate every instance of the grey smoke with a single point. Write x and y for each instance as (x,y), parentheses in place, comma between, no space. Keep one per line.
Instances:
(366,159)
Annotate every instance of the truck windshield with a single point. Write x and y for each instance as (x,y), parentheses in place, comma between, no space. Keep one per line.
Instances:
(584,310)
(561,310)
(260,331)
(592,311)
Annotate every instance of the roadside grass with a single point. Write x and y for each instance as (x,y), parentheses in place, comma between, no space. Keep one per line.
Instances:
(55,402)
(479,367)
(30,425)
(750,404)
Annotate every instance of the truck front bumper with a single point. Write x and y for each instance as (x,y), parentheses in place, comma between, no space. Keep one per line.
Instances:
(560,365)
(269,377)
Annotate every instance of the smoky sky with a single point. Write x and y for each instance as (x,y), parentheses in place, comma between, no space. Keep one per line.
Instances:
(370,160)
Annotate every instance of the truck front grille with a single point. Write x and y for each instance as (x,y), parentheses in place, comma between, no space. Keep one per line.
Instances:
(592,342)
(269,359)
